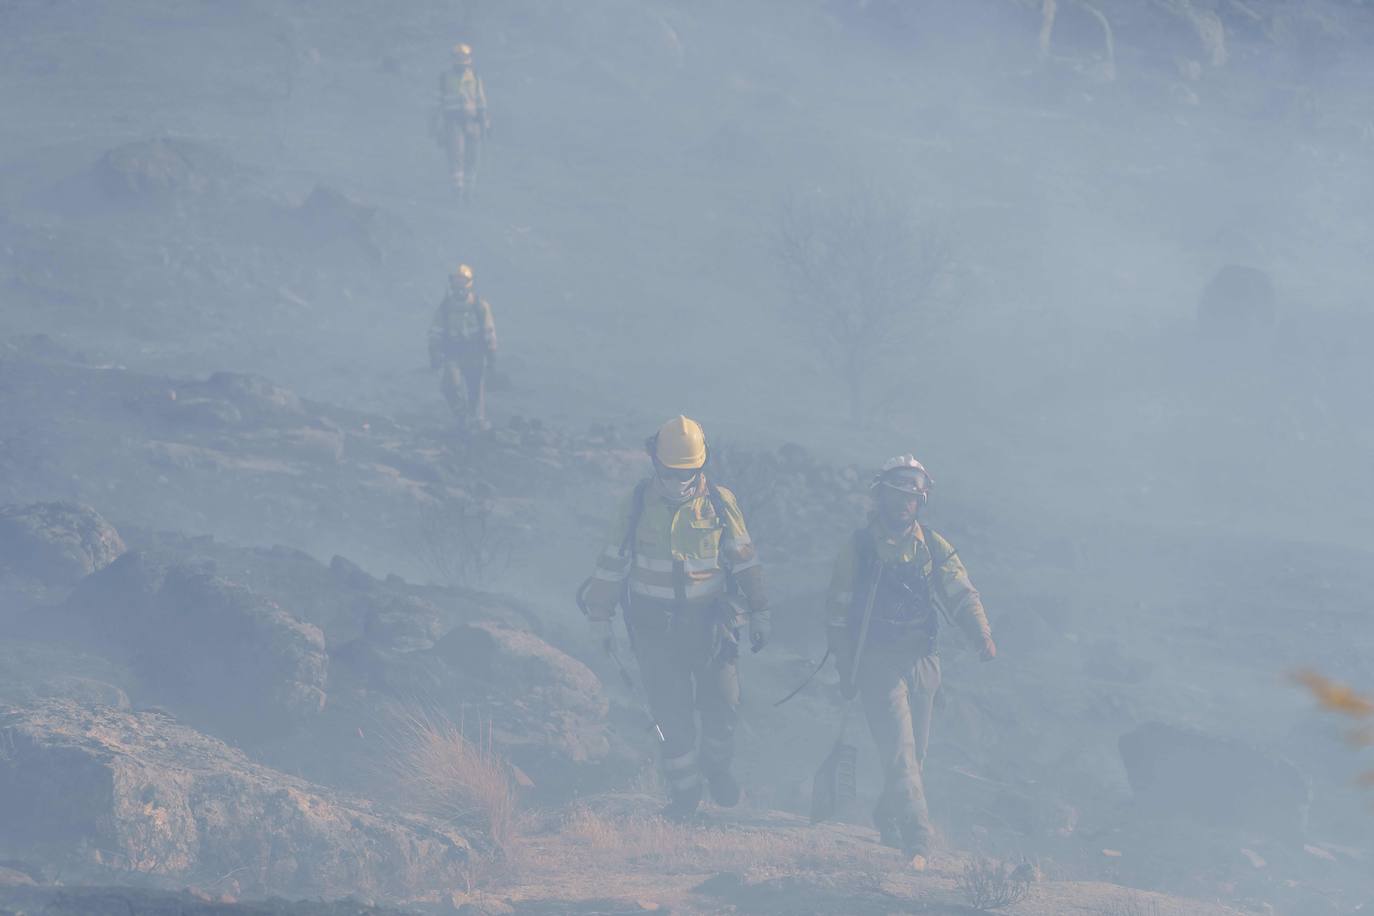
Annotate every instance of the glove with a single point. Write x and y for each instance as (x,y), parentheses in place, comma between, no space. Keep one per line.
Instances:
(988,651)
(760,629)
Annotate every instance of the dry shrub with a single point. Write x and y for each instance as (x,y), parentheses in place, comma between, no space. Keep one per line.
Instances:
(459,541)
(866,274)
(440,772)
(988,885)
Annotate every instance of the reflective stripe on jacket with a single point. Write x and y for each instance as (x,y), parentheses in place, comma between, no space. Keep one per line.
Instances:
(677,547)
(462,93)
(459,323)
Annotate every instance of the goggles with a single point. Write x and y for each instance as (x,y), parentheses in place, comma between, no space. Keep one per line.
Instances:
(680,475)
(906,480)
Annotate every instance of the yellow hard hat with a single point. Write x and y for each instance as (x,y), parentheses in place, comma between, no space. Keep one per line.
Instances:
(680,444)
(462,51)
(463,273)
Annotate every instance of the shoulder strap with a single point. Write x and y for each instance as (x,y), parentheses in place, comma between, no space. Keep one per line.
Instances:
(717,501)
(636,512)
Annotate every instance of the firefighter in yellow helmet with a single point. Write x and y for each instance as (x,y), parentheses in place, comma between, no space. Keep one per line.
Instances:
(893,582)
(464,121)
(680,563)
(462,344)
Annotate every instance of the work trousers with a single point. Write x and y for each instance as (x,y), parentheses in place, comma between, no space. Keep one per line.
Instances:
(898,690)
(463,383)
(689,662)
(463,143)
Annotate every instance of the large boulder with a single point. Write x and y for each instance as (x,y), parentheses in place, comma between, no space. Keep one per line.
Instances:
(1181,771)
(544,711)
(56,543)
(219,654)
(141,793)
(546,701)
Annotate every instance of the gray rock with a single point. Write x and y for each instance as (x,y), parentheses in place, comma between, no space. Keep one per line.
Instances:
(407,624)
(56,543)
(1219,781)
(138,793)
(162,170)
(217,653)
(547,712)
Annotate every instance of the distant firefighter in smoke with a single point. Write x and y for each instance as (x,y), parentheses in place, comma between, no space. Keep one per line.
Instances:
(463,121)
(462,344)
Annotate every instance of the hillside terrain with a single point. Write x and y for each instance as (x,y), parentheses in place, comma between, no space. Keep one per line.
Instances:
(250,574)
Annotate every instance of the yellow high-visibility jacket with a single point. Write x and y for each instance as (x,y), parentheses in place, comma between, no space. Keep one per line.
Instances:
(462,94)
(679,555)
(462,324)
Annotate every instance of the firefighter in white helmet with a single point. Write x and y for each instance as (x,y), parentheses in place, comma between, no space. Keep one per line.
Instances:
(894,581)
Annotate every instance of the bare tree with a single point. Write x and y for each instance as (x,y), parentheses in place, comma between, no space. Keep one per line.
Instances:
(863,275)
(459,541)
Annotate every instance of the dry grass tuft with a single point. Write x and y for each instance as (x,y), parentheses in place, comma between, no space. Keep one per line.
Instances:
(441,773)
(989,885)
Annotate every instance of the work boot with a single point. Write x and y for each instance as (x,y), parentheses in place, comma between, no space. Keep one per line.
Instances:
(889,834)
(683,804)
(724,788)
(916,843)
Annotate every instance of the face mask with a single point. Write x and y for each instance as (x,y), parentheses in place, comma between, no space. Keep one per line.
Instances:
(677,491)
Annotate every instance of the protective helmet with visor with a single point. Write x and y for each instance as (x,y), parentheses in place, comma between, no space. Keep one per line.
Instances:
(906,475)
